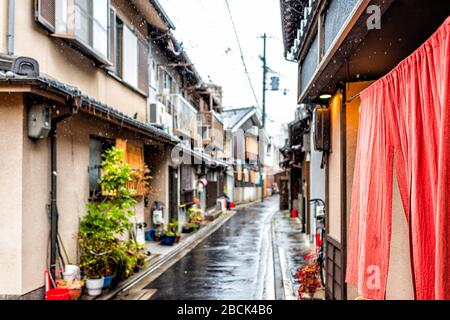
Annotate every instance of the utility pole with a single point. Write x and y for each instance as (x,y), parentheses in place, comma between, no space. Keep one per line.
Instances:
(262,153)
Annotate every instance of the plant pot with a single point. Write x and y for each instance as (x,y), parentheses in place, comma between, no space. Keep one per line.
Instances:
(187,230)
(107,282)
(168,241)
(177,238)
(94,286)
(75,294)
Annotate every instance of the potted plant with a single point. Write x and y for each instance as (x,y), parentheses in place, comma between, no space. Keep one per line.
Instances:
(187,228)
(101,249)
(170,234)
(309,278)
(169,238)
(92,264)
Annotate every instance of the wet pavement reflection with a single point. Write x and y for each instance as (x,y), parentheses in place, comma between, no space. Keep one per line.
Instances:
(224,266)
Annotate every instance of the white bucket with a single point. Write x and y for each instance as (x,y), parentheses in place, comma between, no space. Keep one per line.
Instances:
(71,272)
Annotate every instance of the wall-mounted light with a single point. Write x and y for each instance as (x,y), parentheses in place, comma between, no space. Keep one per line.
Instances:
(325,96)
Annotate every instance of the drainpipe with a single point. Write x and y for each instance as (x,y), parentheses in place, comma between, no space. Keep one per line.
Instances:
(54,215)
(11,10)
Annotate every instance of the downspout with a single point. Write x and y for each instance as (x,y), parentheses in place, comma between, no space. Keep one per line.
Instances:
(54,215)
(11,11)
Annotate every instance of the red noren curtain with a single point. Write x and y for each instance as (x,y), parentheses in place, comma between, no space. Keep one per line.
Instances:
(405,121)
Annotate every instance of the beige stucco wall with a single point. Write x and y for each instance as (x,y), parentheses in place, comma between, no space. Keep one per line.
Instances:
(3,26)
(334,170)
(24,192)
(399,283)
(35,224)
(158,159)
(11,117)
(59,61)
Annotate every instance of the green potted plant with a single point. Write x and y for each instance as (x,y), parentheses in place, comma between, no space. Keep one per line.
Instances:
(170,234)
(100,248)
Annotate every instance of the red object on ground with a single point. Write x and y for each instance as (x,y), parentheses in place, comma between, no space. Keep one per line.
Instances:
(232,205)
(57,294)
(294,214)
(318,240)
(406,113)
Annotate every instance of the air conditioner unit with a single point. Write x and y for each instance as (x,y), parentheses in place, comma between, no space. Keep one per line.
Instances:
(39,121)
(221,204)
(157,113)
(322,129)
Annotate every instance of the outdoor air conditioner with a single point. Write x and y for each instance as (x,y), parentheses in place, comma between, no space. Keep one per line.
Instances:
(322,129)
(39,121)
(221,204)
(157,113)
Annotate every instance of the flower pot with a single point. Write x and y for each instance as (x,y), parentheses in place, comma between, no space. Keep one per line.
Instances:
(94,286)
(75,294)
(107,282)
(177,238)
(168,241)
(187,230)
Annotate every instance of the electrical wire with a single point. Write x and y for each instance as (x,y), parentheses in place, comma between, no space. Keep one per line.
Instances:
(242,54)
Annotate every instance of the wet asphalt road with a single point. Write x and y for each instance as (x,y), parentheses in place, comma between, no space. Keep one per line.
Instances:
(225,265)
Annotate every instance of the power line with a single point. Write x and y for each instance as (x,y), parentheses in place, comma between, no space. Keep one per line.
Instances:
(242,54)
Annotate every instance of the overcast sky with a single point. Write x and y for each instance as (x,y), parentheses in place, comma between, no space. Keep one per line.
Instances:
(204,27)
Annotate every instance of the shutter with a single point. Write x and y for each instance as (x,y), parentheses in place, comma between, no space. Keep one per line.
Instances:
(44,13)
(112,37)
(122,145)
(143,67)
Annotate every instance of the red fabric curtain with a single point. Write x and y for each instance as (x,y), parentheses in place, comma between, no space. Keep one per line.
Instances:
(405,118)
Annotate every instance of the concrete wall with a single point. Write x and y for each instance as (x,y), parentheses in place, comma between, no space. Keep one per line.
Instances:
(246,194)
(67,65)
(11,171)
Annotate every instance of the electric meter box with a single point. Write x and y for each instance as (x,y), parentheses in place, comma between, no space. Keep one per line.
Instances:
(39,121)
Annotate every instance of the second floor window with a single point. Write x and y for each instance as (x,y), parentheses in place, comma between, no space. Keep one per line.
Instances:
(91,24)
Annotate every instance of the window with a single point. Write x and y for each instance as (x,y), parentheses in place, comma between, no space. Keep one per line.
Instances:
(97,146)
(61,16)
(167,83)
(81,23)
(130,57)
(93,28)
(91,24)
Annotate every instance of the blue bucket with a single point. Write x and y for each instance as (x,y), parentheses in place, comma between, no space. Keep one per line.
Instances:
(107,282)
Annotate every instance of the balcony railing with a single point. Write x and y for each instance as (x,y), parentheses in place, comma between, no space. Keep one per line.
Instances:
(184,117)
(213,129)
